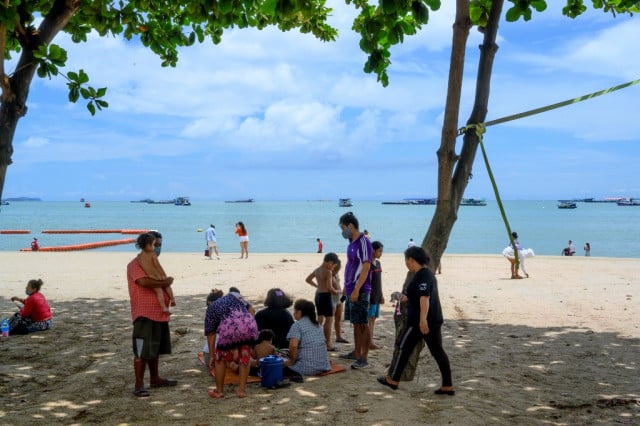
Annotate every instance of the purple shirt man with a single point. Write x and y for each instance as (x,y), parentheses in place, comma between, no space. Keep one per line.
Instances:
(359,251)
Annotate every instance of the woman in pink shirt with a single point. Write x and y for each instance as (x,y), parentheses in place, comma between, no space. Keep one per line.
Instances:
(35,315)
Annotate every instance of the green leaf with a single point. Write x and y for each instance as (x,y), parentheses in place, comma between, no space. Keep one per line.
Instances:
(101,92)
(85,93)
(91,108)
(513,14)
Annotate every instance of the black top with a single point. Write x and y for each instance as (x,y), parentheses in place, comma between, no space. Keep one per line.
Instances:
(279,320)
(423,284)
(376,283)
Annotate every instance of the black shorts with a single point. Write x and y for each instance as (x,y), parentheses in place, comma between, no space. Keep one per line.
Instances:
(150,338)
(359,311)
(324,304)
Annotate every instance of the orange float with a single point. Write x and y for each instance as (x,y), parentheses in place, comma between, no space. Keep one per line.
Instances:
(85,246)
(14,231)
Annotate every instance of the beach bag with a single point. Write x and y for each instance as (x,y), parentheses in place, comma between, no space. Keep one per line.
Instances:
(206,252)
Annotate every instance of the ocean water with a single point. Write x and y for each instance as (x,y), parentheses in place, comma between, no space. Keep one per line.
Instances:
(292,227)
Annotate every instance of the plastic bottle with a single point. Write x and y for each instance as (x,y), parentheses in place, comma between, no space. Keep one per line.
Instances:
(5,327)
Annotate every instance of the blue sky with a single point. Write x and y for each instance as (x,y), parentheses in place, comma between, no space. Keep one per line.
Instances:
(283,116)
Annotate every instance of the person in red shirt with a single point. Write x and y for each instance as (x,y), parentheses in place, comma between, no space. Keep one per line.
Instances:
(151,337)
(34,245)
(319,245)
(35,315)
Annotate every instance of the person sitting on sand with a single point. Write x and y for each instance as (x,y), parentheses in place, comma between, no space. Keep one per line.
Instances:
(151,266)
(276,316)
(35,315)
(307,346)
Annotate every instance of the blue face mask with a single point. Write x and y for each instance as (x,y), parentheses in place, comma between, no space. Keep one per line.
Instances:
(346,233)
(157,250)
(28,293)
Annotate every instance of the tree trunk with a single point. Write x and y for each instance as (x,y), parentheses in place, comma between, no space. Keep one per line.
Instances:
(15,90)
(454,171)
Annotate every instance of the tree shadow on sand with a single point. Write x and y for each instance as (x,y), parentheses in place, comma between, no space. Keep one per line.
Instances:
(82,372)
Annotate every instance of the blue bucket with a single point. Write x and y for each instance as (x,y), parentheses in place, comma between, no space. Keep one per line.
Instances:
(270,370)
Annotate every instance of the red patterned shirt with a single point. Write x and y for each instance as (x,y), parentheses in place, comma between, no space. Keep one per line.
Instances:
(144,302)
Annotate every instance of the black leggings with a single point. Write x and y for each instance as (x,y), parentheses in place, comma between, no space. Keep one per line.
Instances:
(408,339)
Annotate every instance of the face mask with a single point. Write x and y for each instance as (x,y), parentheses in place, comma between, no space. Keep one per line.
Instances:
(157,250)
(28,292)
(346,233)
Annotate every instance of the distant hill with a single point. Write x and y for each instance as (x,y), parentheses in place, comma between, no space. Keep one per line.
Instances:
(23,199)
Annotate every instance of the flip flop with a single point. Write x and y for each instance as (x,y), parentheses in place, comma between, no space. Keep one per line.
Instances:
(383,381)
(201,358)
(213,393)
(141,392)
(342,340)
(165,383)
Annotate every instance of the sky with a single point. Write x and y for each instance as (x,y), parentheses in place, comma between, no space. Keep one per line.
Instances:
(283,116)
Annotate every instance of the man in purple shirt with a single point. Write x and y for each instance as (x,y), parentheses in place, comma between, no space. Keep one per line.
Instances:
(357,284)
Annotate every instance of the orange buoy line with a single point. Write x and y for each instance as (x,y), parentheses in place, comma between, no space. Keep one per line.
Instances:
(86,246)
(14,231)
(95,231)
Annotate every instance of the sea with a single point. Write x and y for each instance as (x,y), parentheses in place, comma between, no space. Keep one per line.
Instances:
(293,226)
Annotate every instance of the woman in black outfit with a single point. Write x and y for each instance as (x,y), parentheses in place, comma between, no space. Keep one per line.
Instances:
(424,321)
(276,316)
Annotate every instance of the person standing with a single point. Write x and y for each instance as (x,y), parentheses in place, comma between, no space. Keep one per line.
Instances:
(323,276)
(151,337)
(587,249)
(243,235)
(357,284)
(212,243)
(377,298)
(411,243)
(319,245)
(424,322)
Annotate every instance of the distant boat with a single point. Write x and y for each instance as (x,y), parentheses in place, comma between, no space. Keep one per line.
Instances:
(429,201)
(82,200)
(604,200)
(87,205)
(4,203)
(629,202)
(345,202)
(473,202)
(567,205)
(182,201)
(248,200)
(401,202)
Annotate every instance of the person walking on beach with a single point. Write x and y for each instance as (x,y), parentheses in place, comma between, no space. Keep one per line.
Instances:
(151,337)
(319,245)
(424,321)
(212,243)
(357,284)
(523,253)
(243,235)
(587,249)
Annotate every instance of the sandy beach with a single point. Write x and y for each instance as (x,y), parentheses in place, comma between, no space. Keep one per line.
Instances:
(561,347)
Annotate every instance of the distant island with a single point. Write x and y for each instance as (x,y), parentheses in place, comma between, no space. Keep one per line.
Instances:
(23,199)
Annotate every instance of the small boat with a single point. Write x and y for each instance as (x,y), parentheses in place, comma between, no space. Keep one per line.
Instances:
(182,201)
(4,203)
(629,202)
(473,202)
(345,202)
(567,205)
(87,205)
